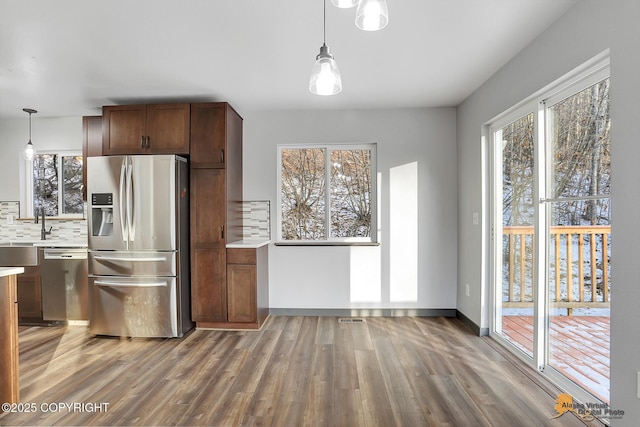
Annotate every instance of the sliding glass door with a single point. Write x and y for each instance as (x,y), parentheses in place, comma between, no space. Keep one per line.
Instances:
(515,211)
(578,210)
(551,233)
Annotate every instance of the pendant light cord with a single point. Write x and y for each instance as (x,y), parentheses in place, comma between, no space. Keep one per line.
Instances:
(324,24)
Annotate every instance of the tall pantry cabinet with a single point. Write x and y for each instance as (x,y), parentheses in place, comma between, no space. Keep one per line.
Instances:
(216,195)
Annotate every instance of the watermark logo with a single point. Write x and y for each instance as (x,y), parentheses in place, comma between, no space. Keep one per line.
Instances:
(587,411)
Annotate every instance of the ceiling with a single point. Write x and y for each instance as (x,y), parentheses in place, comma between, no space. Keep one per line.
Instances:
(70,57)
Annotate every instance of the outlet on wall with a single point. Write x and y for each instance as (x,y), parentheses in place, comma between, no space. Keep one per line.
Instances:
(467,289)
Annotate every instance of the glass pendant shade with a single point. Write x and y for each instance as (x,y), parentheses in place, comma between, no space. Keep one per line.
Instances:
(29,151)
(344,4)
(325,75)
(372,15)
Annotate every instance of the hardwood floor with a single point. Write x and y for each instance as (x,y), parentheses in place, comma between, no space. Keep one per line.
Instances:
(296,371)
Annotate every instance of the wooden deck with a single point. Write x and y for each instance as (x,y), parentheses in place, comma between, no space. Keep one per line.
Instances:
(579,347)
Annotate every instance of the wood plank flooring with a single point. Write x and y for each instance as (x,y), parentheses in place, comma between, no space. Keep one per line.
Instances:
(296,371)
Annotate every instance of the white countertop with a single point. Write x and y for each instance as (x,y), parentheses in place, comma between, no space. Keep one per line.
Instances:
(248,243)
(10,271)
(52,243)
(60,244)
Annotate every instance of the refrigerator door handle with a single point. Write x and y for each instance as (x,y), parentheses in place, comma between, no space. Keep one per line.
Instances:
(130,285)
(136,259)
(123,177)
(130,204)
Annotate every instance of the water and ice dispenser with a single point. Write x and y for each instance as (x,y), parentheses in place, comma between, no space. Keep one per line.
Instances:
(102,214)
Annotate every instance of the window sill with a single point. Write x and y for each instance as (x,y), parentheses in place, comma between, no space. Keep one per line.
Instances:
(324,243)
(52,218)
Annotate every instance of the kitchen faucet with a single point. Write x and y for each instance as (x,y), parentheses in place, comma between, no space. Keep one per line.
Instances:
(44,233)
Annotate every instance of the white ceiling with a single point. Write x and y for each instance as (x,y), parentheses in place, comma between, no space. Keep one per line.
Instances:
(70,57)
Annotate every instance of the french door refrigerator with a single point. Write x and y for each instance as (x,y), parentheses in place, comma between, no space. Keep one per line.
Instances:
(138,219)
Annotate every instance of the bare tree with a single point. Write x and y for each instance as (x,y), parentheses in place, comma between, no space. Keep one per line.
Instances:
(305,199)
(49,181)
(303,189)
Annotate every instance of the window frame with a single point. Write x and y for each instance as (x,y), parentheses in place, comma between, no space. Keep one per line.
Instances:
(29,190)
(372,240)
(581,78)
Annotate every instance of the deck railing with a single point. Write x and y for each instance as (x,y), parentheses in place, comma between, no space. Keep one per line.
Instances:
(579,259)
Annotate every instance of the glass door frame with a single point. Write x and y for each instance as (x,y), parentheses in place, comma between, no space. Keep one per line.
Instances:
(594,75)
(495,194)
(587,75)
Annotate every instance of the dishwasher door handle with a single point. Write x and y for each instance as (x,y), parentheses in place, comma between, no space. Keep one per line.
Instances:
(64,254)
(65,257)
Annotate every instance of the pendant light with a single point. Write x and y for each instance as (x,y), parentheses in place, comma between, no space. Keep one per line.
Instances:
(344,4)
(29,149)
(325,75)
(372,15)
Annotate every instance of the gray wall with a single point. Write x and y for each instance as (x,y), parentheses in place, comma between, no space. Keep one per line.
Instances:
(591,27)
(417,171)
(415,265)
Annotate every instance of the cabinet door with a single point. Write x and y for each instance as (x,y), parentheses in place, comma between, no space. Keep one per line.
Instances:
(124,129)
(168,129)
(208,252)
(208,134)
(29,297)
(208,285)
(91,145)
(241,289)
(208,207)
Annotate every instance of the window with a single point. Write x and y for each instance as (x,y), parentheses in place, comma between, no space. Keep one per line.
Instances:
(327,194)
(56,180)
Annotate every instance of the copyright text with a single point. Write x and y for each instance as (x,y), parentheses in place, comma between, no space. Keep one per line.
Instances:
(56,407)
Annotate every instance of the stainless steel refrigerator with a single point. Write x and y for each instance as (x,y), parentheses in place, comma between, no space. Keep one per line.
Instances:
(138,219)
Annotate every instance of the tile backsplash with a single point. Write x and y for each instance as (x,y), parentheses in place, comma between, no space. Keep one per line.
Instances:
(255,215)
(67,229)
(256,220)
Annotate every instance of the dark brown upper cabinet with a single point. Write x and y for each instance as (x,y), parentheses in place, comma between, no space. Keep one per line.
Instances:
(145,129)
(216,135)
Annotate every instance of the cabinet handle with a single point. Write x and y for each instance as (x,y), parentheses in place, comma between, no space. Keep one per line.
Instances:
(148,141)
(222,231)
(142,141)
(221,156)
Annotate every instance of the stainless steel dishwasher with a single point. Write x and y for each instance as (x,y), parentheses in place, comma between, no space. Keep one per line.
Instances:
(65,289)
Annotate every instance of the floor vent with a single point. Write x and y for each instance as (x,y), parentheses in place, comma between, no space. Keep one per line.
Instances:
(351,320)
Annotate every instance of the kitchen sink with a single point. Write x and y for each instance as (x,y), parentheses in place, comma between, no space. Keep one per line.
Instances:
(18,254)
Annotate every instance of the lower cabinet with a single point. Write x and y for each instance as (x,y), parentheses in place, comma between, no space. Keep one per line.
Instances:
(244,302)
(30,296)
(247,286)
(208,285)
(241,293)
